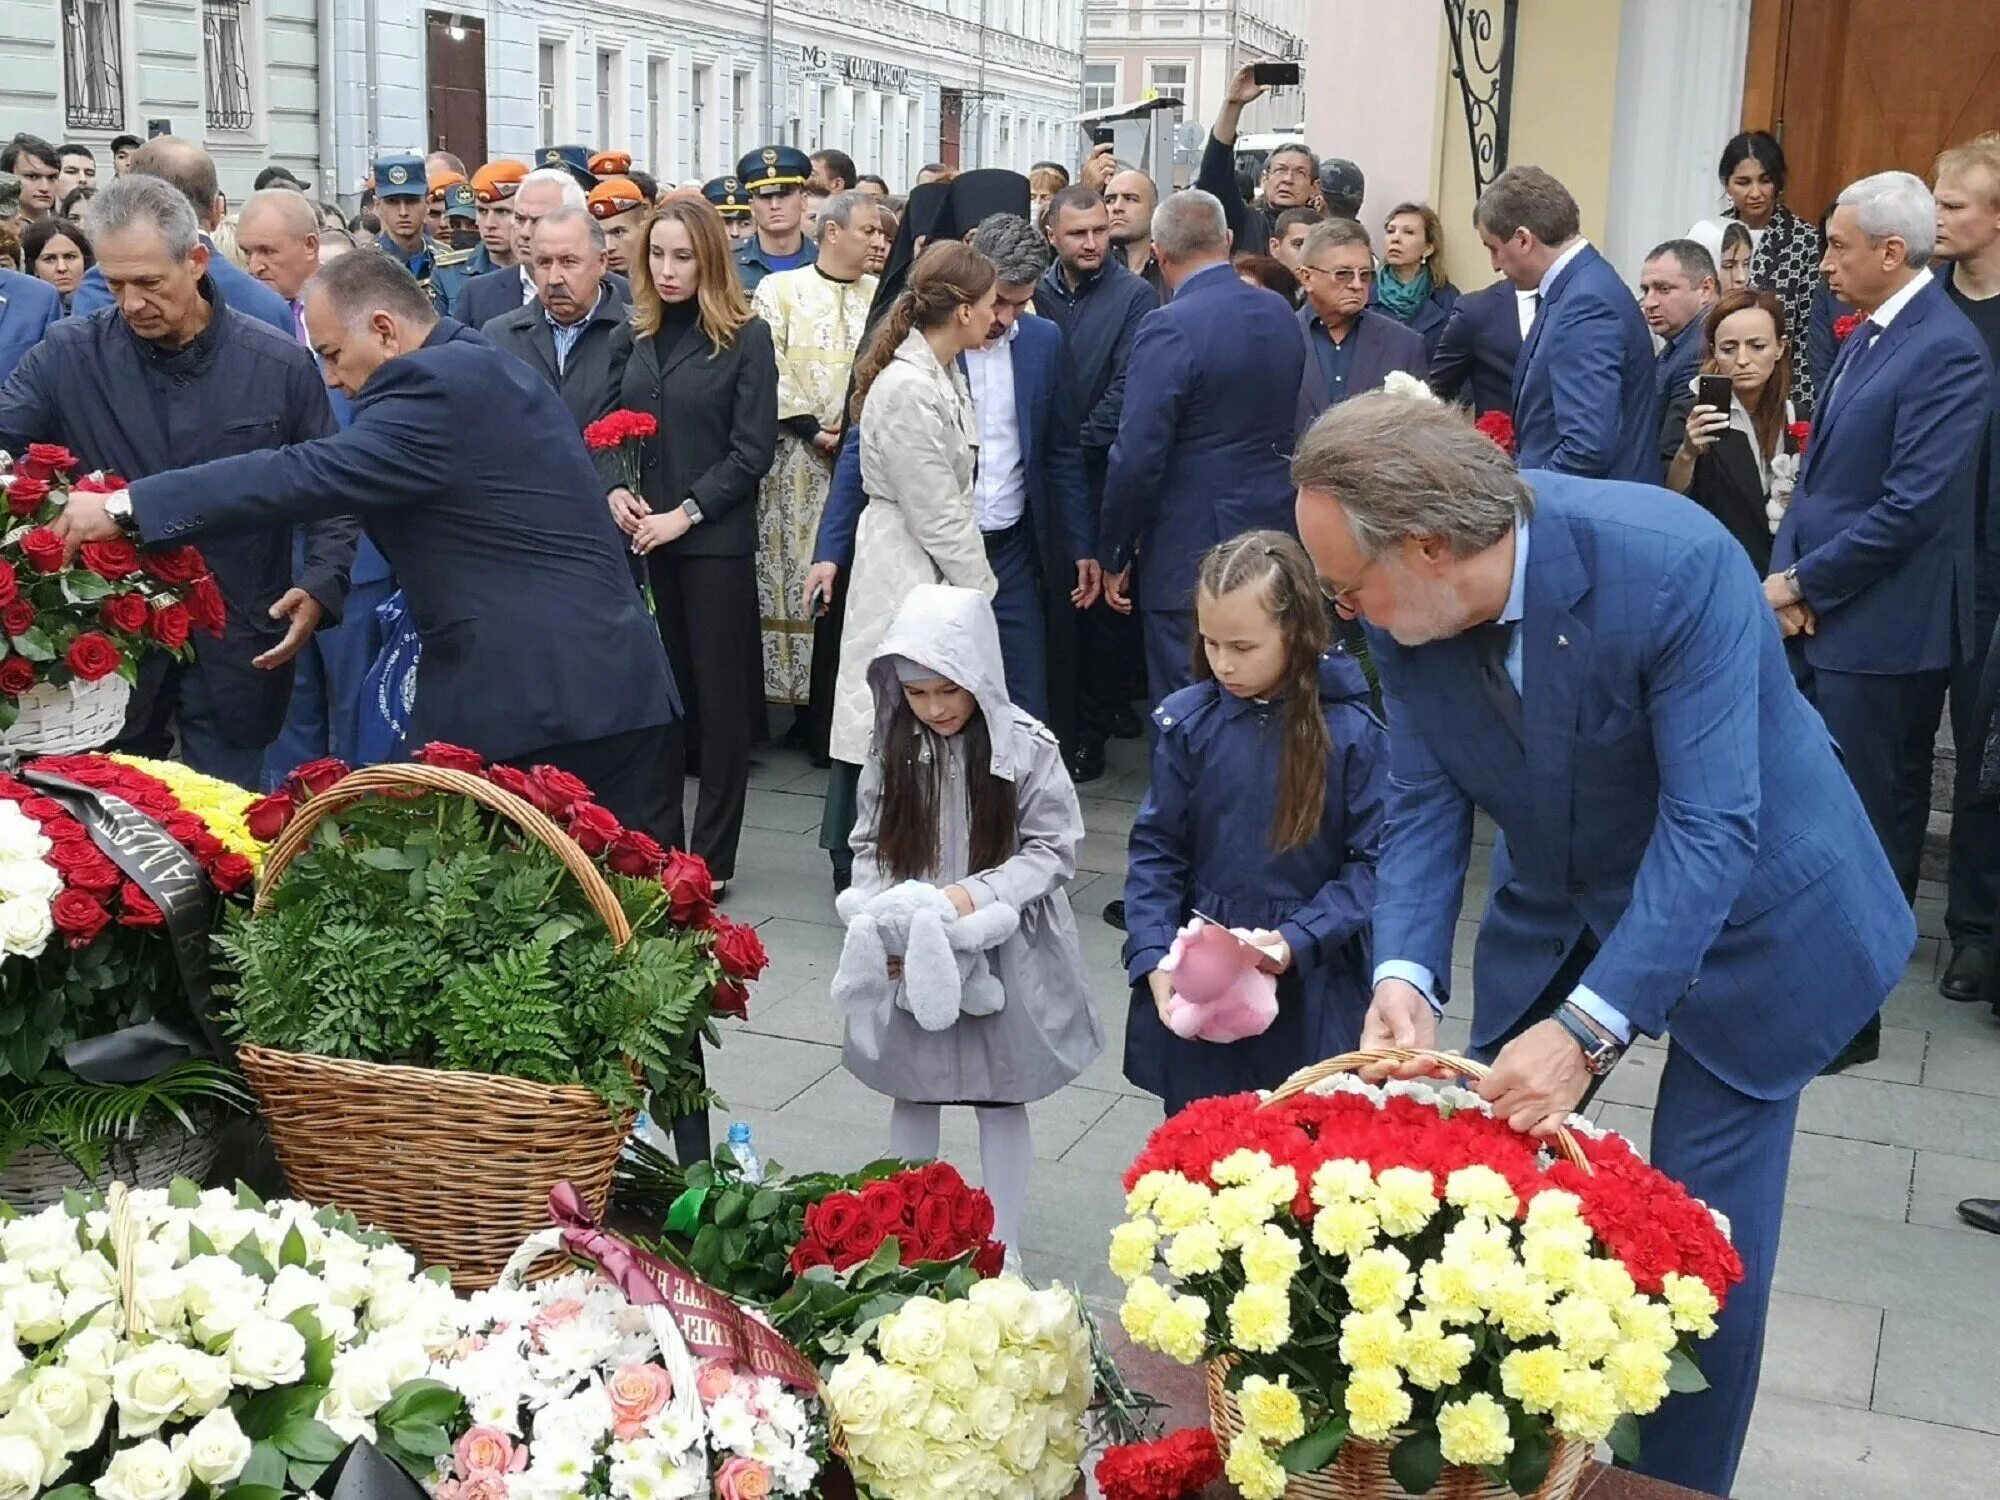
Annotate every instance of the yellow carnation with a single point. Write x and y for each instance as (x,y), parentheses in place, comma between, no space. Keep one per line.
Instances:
(1405,1200)
(1371,1341)
(1586,1406)
(1484,1246)
(1345,1227)
(1377,1404)
(1279,1187)
(1182,1330)
(1474,1431)
(1555,1209)
(1481,1190)
(1433,1357)
(1180,1203)
(1239,1212)
(1519,1303)
(1692,1304)
(1585,1328)
(1240,1167)
(1145,1300)
(1557,1258)
(1455,1291)
(1260,1319)
(220,805)
(1336,1181)
(1271,1257)
(1195,1251)
(1533,1377)
(1608,1281)
(1253,1471)
(1379,1280)
(1271,1412)
(1132,1246)
(1146,1191)
(1647,1322)
(1639,1375)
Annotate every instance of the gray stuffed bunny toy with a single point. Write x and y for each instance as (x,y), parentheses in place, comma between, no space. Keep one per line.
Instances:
(945,971)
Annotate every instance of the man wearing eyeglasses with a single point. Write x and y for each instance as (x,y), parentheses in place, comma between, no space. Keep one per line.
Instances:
(1349,349)
(1291,173)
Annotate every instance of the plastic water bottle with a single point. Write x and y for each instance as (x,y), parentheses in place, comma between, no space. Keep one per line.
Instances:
(644,1130)
(746,1158)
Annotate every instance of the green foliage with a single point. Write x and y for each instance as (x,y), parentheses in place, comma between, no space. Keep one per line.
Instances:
(66,994)
(81,1121)
(428,931)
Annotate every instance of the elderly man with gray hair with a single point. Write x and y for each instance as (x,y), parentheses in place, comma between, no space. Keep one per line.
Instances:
(566,334)
(1872,568)
(492,293)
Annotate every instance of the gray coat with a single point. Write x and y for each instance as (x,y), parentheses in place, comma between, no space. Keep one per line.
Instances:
(589,379)
(1047,1031)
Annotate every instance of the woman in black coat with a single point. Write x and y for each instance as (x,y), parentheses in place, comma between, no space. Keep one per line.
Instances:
(696,358)
(1739,465)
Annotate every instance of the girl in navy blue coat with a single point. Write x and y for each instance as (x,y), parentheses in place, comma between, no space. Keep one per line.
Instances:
(1265,811)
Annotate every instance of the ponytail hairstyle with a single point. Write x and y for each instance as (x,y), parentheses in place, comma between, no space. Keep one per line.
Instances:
(913,776)
(1273,563)
(949,275)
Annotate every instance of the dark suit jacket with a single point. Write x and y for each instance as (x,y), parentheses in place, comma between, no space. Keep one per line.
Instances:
(1431,315)
(1098,324)
(1583,388)
(1381,344)
(28,306)
(588,382)
(483,298)
(1880,526)
(718,429)
(1726,482)
(470,475)
(96,388)
(239,290)
(1205,439)
(1477,349)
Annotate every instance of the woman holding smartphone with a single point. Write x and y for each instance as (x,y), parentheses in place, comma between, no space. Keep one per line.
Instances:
(1734,452)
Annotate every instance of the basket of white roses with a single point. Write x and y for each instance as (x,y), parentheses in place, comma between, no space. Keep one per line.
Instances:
(165,1342)
(1396,1294)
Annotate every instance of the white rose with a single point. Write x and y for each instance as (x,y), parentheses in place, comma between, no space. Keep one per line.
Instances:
(163,1381)
(145,1471)
(295,1287)
(91,1352)
(24,1468)
(402,1355)
(74,1404)
(215,1448)
(36,1309)
(25,926)
(347,1281)
(21,837)
(360,1382)
(219,1296)
(391,1303)
(161,1299)
(265,1352)
(89,1272)
(30,880)
(389,1264)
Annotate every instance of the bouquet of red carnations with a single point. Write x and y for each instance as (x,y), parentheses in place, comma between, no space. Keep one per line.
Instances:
(622,432)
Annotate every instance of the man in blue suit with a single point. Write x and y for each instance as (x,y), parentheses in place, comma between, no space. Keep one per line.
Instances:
(1351,348)
(1210,392)
(1479,345)
(1591,665)
(1583,386)
(28,305)
(192,170)
(469,474)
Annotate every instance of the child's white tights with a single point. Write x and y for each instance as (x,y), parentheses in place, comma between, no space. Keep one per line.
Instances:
(1006,1153)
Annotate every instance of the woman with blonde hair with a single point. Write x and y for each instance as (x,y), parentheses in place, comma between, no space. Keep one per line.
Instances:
(1413,288)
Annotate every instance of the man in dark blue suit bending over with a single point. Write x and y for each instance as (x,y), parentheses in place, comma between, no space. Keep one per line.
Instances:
(467,471)
(1583,385)
(1591,665)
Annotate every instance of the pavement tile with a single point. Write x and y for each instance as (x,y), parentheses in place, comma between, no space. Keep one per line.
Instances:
(1942,1182)
(1898,1266)
(770,1074)
(1927,1119)
(1850,1177)
(1821,1350)
(1114,1142)
(1813,1450)
(1961,1065)
(1057,1121)
(1939,1365)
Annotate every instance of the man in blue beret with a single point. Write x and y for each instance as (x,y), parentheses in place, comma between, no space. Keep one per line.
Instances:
(401,194)
(775,178)
(727,194)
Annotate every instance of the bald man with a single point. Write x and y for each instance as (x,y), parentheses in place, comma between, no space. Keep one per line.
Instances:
(1131,198)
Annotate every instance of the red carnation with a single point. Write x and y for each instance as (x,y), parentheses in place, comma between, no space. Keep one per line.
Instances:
(451,757)
(315,776)
(18,618)
(126,612)
(17,675)
(92,656)
(555,791)
(739,950)
(79,917)
(1169,1468)
(139,908)
(114,559)
(636,854)
(43,548)
(731,1000)
(46,460)
(1499,427)
(231,873)
(689,888)
(205,607)
(175,566)
(602,434)
(594,827)
(1845,324)
(1800,433)
(26,494)
(267,816)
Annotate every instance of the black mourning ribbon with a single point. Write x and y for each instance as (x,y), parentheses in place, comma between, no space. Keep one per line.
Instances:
(364,1472)
(1489,647)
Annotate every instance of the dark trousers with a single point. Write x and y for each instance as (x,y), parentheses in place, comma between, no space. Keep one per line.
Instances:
(1885,727)
(1734,1153)
(628,774)
(1169,648)
(709,620)
(1110,658)
(178,699)
(1021,615)
(1972,879)
(326,693)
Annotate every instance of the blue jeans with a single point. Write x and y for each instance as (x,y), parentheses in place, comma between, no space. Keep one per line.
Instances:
(1022,616)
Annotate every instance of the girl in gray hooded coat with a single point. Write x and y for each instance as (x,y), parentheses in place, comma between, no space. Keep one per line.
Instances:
(967,793)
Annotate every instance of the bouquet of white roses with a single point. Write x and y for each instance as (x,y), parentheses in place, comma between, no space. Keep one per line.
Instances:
(569,1392)
(980,1399)
(179,1340)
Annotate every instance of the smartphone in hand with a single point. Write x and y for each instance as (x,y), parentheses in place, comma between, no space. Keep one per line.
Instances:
(1276,75)
(1714,391)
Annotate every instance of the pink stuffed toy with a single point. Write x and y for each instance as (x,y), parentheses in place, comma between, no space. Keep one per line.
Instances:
(1219,992)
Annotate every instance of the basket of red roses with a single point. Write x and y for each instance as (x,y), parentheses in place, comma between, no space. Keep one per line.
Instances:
(74,632)
(455,988)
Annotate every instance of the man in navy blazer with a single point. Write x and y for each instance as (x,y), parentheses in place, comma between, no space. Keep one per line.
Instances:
(1583,386)
(1872,568)
(469,474)
(1350,347)
(1210,393)
(28,305)
(1591,665)
(1478,347)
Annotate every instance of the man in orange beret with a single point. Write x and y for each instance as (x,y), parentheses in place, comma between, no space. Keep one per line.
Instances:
(493,189)
(610,163)
(619,206)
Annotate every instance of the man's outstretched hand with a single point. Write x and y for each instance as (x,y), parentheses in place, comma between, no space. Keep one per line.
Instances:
(83,519)
(302,612)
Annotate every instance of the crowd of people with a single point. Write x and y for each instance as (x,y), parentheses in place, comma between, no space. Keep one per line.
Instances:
(569,466)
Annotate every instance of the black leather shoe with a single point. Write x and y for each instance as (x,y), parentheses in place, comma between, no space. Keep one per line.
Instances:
(1964,975)
(1114,913)
(1864,1049)
(1981,1213)
(1123,723)
(1085,760)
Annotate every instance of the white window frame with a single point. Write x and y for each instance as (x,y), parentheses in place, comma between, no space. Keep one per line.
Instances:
(1117,67)
(701,121)
(560,122)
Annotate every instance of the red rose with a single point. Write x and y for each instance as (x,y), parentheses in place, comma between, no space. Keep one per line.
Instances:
(267,816)
(26,494)
(689,888)
(231,873)
(92,656)
(1800,433)
(314,777)
(556,791)
(139,910)
(511,779)
(99,876)
(636,854)
(934,1220)
(176,566)
(911,1186)
(807,1254)
(982,1217)
(18,618)
(116,558)
(126,612)
(991,1259)
(42,809)
(594,827)
(941,1180)
(17,675)
(731,1000)
(79,917)
(46,460)
(10,589)
(205,607)
(834,1217)
(451,757)
(965,1214)
(43,548)
(739,950)
(883,1205)
(169,625)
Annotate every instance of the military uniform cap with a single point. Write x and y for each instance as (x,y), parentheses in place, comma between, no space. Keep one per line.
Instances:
(770,167)
(615,196)
(610,163)
(400,177)
(727,194)
(459,202)
(498,181)
(574,160)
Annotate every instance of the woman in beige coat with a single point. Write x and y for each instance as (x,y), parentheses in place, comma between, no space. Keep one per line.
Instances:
(919,448)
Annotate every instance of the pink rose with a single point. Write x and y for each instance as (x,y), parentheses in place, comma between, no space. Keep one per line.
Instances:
(486,1486)
(714,1380)
(638,1394)
(562,1310)
(743,1479)
(485,1450)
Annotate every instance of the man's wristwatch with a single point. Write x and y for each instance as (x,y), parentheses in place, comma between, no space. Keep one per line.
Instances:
(119,508)
(1601,1050)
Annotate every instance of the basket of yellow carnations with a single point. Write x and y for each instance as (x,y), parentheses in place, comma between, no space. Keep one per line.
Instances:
(1396,1294)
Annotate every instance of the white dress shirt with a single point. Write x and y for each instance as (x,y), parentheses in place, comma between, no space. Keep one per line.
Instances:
(527,287)
(1000,489)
